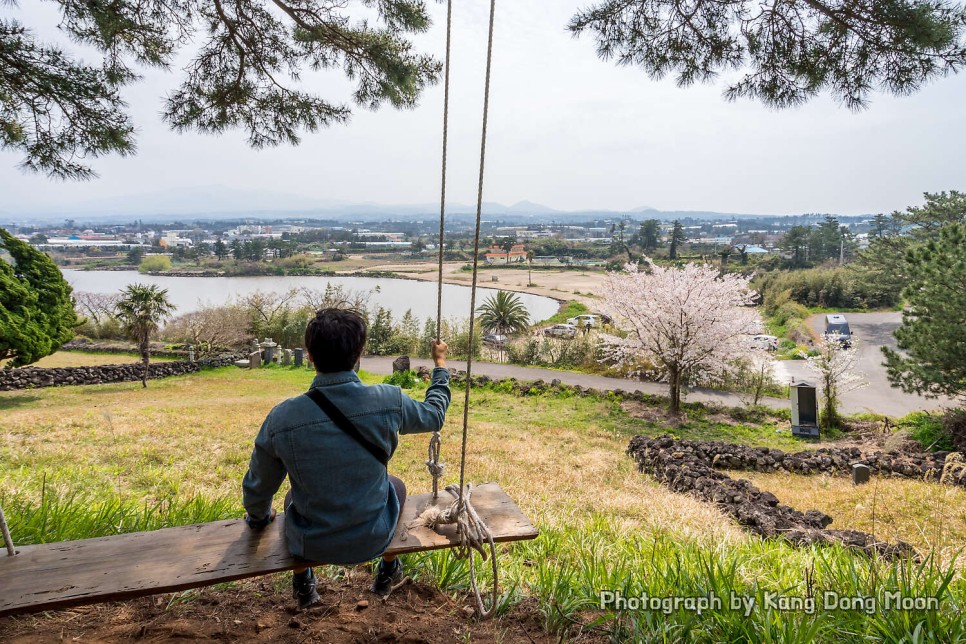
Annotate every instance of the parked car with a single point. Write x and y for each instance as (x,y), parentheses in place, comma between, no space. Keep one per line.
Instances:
(767,342)
(495,340)
(585,320)
(561,331)
(837,329)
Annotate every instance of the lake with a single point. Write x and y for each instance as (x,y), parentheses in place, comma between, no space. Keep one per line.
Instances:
(191,293)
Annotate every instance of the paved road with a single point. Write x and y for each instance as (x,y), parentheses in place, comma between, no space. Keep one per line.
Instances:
(872,331)
(383,365)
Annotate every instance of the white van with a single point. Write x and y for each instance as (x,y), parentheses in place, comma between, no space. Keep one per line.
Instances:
(837,329)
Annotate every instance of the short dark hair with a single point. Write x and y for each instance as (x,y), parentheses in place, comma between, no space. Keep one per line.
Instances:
(335,338)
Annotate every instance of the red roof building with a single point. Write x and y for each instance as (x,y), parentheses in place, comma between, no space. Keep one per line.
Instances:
(517,254)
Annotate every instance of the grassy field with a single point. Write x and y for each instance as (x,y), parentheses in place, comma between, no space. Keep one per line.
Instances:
(82,461)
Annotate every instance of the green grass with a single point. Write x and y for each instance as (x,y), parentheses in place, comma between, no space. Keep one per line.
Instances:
(65,518)
(566,569)
(927,430)
(570,309)
(78,462)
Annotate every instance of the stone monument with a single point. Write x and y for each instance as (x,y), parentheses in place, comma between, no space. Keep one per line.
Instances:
(268,350)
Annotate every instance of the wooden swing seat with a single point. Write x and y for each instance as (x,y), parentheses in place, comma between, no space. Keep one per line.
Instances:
(71,573)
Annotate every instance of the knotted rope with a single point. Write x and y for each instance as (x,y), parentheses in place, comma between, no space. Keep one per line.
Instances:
(433,465)
(473,535)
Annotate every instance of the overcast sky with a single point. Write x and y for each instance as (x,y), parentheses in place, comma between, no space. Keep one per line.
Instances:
(566,130)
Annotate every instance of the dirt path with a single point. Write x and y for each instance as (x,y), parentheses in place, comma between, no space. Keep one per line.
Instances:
(262,610)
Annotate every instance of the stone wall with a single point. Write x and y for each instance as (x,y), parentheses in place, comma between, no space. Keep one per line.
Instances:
(34,377)
(838,460)
(689,467)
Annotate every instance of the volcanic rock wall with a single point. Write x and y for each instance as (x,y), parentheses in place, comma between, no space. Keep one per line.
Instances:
(34,377)
(688,467)
(838,460)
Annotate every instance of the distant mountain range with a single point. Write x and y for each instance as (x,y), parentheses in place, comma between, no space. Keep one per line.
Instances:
(221,202)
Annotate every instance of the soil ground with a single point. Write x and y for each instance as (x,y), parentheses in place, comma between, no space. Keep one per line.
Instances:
(263,610)
(556,283)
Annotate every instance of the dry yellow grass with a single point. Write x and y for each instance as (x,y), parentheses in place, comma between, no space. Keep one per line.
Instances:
(929,516)
(83,359)
(604,525)
(562,460)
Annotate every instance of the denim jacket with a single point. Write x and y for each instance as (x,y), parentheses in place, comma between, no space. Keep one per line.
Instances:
(343,508)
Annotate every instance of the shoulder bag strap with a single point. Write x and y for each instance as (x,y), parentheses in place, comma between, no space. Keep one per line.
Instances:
(343,423)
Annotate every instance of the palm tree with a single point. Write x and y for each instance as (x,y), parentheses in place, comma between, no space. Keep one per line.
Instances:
(507,246)
(141,310)
(503,314)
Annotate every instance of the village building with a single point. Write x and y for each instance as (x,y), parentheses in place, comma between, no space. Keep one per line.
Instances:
(517,253)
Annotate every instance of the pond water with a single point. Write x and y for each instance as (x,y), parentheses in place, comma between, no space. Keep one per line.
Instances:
(191,293)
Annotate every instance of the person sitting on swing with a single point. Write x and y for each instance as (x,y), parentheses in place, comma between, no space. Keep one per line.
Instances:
(333,443)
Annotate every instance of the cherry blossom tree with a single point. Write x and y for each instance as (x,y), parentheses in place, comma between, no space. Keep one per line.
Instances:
(679,323)
(835,368)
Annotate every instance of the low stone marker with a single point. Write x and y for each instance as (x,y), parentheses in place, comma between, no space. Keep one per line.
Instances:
(287,358)
(860,473)
(401,363)
(254,359)
(299,356)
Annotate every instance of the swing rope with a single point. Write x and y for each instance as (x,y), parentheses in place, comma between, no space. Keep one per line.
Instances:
(6,534)
(472,531)
(432,461)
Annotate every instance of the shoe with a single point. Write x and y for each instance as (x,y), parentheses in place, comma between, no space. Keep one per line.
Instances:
(387,576)
(303,589)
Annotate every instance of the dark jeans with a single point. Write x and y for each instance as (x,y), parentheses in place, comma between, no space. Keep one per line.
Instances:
(400,488)
(397,485)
